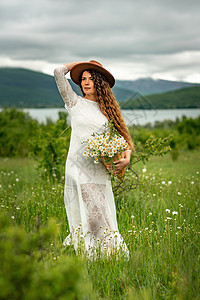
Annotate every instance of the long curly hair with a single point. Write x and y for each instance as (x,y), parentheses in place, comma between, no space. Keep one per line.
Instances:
(108,104)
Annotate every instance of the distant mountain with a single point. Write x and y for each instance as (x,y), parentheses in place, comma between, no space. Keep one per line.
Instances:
(25,88)
(148,86)
(184,98)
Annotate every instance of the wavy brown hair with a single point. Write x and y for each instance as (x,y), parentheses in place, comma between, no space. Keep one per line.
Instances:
(108,104)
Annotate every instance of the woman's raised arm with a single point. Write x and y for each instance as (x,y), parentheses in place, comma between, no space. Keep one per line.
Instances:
(65,89)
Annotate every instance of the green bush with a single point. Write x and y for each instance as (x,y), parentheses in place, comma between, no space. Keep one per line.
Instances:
(16,128)
(27,273)
(50,146)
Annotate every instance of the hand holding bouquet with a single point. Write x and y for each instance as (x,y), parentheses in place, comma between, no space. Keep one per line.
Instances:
(107,147)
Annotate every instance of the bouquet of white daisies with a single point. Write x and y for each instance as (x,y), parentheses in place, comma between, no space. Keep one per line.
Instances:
(106,147)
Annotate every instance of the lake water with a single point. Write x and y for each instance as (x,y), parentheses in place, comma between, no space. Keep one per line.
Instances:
(137,117)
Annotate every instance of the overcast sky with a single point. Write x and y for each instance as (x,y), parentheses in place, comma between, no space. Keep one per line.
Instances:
(131,38)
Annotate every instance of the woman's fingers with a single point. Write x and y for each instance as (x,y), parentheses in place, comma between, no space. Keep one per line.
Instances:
(118,165)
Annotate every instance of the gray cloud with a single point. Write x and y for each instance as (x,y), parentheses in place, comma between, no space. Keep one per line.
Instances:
(139,32)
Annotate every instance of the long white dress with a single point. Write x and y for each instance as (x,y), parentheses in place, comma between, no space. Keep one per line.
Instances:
(88,195)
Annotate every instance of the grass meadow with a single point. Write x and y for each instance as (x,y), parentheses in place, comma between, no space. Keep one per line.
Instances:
(159,221)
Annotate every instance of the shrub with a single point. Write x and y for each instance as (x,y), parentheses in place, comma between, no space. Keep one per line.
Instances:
(16,127)
(26,274)
(50,146)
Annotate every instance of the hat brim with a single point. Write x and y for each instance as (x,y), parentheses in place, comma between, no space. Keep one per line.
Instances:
(77,70)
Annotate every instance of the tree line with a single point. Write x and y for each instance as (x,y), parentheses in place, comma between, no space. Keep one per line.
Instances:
(23,136)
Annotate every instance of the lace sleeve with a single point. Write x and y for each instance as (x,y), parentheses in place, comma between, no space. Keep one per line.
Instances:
(65,89)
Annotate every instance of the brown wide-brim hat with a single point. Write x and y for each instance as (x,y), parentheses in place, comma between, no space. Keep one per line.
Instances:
(77,70)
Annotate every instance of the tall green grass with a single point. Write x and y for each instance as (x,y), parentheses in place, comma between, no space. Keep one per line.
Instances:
(159,222)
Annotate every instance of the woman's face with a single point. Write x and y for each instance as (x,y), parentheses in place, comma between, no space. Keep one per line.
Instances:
(88,84)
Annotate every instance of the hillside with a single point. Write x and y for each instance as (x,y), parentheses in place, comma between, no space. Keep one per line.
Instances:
(148,86)
(184,98)
(25,88)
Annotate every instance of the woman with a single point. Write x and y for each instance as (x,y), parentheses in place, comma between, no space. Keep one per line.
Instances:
(88,193)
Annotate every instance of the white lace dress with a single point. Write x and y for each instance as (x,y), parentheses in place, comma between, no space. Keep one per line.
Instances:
(88,192)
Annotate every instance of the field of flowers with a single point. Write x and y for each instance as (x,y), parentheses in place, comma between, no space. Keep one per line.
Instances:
(159,220)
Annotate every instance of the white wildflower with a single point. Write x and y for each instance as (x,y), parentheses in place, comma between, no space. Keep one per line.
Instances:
(144,170)
(163,182)
(174,213)
(85,153)
(167,210)
(169,182)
